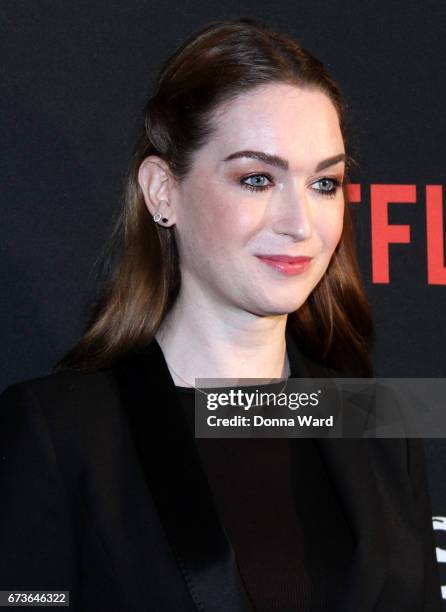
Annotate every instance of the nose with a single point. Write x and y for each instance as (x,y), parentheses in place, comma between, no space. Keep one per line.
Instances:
(293,216)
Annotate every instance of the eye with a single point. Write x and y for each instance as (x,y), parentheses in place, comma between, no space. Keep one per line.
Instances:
(258,182)
(329,186)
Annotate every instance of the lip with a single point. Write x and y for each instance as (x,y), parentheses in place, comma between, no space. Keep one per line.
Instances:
(286,264)
(289,258)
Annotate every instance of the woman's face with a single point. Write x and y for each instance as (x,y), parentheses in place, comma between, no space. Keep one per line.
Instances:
(232,207)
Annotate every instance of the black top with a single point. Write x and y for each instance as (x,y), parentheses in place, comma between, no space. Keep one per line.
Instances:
(103,494)
(289,559)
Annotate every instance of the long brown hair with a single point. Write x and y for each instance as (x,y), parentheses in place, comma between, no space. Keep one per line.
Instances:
(219,62)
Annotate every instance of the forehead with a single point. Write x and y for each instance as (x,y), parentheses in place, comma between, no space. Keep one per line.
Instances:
(279,119)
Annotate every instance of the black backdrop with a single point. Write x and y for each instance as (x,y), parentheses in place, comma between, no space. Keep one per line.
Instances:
(76,75)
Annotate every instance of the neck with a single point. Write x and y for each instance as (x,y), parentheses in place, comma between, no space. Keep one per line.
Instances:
(200,343)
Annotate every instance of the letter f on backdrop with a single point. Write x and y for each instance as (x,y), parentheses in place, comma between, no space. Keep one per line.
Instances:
(384,234)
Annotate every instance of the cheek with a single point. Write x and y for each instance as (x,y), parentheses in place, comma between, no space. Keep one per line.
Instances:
(219,219)
(209,223)
(329,227)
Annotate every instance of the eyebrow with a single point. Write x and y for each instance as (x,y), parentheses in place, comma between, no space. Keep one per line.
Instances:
(280,162)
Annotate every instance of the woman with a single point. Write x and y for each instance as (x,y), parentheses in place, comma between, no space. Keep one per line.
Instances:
(236,261)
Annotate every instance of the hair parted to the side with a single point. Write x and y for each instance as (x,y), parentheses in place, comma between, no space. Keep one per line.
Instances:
(219,62)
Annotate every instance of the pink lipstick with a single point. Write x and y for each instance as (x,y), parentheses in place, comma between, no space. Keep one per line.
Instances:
(290,266)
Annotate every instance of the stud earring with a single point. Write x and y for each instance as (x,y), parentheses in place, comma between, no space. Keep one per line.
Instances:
(158,217)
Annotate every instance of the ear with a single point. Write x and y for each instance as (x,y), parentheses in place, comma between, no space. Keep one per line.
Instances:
(157,182)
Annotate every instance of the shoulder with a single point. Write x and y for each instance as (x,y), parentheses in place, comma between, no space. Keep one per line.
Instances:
(60,397)
(73,419)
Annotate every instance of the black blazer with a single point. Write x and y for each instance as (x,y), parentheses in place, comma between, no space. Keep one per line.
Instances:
(103,495)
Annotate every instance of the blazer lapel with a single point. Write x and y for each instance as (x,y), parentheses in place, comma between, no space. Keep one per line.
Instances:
(349,463)
(178,484)
(179,487)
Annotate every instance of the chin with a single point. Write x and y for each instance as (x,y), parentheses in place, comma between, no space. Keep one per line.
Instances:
(279,307)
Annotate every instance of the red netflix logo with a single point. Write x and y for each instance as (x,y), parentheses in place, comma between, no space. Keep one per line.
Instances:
(384,234)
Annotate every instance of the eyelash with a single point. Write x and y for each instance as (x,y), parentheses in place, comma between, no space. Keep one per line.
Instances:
(324,193)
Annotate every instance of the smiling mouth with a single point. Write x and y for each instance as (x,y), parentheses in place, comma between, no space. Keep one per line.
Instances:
(289,266)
